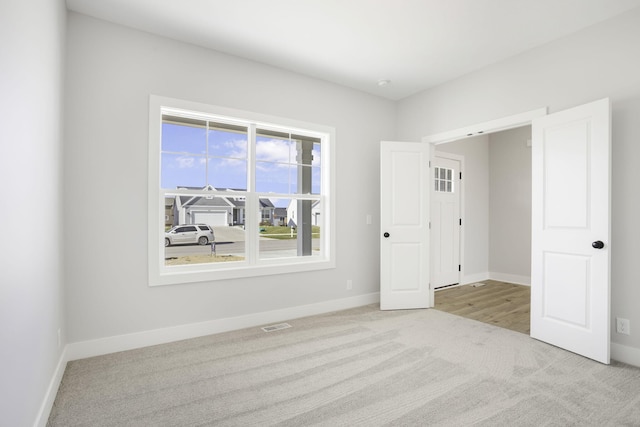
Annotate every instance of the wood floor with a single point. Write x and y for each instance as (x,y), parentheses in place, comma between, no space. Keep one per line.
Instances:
(497,303)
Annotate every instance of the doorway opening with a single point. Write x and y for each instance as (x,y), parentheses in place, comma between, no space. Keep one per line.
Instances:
(493,284)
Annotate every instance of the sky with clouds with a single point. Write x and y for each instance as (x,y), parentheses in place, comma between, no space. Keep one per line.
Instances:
(196,157)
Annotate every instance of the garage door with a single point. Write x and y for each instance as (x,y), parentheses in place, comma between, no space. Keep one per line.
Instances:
(211,218)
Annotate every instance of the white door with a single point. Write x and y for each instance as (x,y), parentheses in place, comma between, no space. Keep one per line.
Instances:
(404,221)
(570,248)
(445,220)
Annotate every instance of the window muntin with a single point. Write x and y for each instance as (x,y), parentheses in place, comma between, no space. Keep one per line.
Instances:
(253,203)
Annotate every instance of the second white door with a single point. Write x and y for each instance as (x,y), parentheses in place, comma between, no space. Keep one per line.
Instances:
(445,220)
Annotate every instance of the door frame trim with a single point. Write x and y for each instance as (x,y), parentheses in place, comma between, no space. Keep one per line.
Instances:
(497,125)
(504,123)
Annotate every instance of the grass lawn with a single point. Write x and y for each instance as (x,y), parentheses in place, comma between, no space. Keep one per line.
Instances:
(284,233)
(201,259)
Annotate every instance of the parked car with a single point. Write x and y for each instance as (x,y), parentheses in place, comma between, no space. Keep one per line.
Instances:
(183,234)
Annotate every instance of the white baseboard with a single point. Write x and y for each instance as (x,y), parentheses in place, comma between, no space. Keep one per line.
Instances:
(98,347)
(510,278)
(52,391)
(625,354)
(473,278)
(492,275)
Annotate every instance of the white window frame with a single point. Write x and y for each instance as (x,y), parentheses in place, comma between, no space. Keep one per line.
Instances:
(159,274)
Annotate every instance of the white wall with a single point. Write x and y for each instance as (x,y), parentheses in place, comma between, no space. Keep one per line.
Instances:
(510,205)
(601,61)
(475,216)
(31,294)
(111,72)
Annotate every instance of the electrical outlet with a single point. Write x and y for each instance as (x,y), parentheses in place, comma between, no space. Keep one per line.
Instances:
(623,326)
(349,284)
(368,219)
(59,338)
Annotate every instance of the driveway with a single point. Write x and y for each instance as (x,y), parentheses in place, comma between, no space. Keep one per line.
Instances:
(229,234)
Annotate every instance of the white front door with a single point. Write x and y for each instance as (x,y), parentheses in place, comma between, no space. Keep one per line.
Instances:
(404,221)
(445,220)
(570,281)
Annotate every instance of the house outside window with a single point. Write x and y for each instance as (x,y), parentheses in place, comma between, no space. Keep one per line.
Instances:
(239,174)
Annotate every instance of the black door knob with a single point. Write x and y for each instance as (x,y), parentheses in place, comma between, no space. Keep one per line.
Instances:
(386,234)
(598,244)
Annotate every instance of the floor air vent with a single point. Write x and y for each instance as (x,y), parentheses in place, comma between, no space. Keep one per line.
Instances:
(276,327)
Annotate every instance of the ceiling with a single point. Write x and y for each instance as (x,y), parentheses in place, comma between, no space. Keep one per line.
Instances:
(415,44)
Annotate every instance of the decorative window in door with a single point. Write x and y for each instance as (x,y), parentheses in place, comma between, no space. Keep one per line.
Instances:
(443,180)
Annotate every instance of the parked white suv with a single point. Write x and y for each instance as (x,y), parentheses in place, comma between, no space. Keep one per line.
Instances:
(183,234)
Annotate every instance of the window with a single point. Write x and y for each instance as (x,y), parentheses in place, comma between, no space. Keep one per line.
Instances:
(263,185)
(443,180)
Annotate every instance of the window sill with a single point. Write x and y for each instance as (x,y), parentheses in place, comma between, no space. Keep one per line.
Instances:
(178,275)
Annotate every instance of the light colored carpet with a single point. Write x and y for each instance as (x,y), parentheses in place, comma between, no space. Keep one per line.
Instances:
(355,367)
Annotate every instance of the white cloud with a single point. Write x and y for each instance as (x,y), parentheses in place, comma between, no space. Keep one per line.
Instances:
(185,162)
(229,148)
(274,150)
